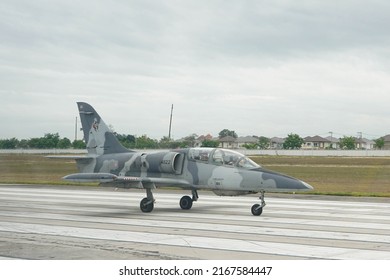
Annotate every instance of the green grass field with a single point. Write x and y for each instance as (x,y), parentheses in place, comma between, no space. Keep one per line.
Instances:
(34,169)
(335,175)
(328,175)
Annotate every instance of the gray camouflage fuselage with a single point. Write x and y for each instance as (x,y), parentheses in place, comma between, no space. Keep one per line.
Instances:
(223,171)
(199,174)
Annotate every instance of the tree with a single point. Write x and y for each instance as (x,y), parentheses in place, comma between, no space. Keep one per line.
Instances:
(293,142)
(127,141)
(144,142)
(165,143)
(36,143)
(9,143)
(379,143)
(250,146)
(348,143)
(190,140)
(210,143)
(23,144)
(263,143)
(64,143)
(50,140)
(78,144)
(226,132)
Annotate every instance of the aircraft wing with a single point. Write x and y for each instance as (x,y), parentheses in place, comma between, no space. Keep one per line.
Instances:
(69,156)
(127,181)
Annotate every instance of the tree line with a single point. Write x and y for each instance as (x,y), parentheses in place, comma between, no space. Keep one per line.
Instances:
(54,141)
(48,141)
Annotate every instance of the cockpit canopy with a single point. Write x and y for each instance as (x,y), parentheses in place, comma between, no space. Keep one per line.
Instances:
(223,157)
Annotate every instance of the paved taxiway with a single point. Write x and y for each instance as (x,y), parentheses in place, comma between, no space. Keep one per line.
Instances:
(51,222)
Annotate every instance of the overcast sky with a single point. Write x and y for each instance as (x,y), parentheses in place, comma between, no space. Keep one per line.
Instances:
(257,67)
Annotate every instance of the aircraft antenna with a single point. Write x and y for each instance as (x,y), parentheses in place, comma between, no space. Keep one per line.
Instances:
(170,124)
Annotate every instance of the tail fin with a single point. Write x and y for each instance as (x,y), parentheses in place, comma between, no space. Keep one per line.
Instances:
(98,137)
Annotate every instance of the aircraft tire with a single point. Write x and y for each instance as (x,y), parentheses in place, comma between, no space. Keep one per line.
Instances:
(256,210)
(145,206)
(186,202)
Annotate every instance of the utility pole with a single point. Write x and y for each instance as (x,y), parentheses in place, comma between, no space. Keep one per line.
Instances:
(170,124)
(75,131)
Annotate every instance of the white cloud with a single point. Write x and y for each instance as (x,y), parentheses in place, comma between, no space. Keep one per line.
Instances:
(256,67)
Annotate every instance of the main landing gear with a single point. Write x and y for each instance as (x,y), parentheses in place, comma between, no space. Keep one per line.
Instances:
(147,204)
(257,209)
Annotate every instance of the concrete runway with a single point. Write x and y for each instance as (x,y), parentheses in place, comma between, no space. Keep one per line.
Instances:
(53,222)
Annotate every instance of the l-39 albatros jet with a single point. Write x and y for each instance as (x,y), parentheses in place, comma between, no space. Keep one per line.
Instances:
(225,172)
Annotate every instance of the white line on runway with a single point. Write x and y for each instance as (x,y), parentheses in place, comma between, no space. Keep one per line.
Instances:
(255,230)
(305,251)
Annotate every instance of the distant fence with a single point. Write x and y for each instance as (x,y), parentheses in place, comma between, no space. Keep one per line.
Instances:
(319,153)
(308,153)
(43,151)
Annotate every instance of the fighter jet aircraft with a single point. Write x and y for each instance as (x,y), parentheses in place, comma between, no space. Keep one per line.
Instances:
(225,172)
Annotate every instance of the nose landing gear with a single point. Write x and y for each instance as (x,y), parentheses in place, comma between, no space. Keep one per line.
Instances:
(257,209)
(186,201)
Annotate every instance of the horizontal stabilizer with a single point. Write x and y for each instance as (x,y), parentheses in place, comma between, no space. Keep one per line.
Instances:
(71,157)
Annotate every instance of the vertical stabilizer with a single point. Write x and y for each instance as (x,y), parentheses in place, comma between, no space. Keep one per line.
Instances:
(98,137)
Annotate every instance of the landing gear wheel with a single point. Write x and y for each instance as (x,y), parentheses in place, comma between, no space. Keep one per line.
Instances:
(256,209)
(146,205)
(186,202)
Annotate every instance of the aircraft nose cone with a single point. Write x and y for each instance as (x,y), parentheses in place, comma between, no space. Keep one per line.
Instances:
(284,182)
